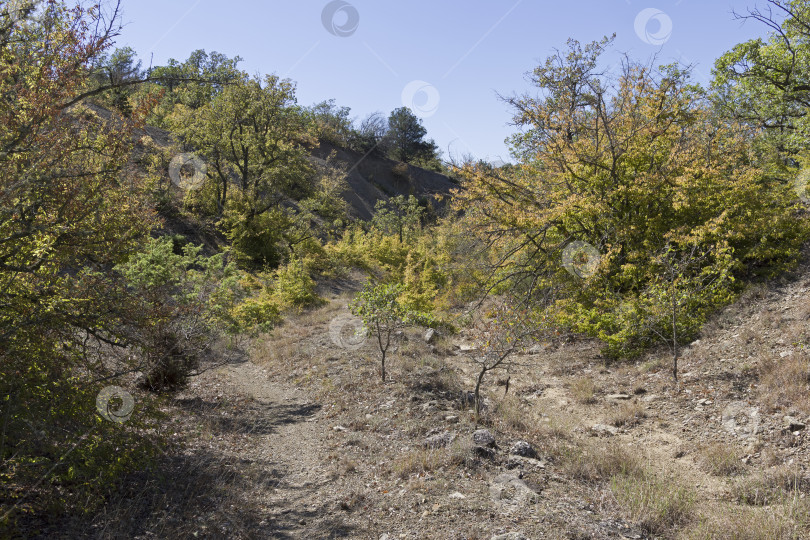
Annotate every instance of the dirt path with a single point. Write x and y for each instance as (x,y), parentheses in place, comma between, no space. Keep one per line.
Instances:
(289,442)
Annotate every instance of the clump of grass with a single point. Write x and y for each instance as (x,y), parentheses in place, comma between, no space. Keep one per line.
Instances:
(511,412)
(599,462)
(655,503)
(420,460)
(720,459)
(732,522)
(770,487)
(627,415)
(784,382)
(583,390)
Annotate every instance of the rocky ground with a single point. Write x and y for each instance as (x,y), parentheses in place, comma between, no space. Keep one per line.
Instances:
(304,441)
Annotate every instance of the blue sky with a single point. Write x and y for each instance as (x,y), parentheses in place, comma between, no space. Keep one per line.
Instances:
(447,59)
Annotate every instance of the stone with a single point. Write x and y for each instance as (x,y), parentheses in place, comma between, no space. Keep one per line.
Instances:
(457,495)
(429,335)
(604,429)
(523,449)
(509,489)
(439,440)
(618,397)
(453,419)
(339,428)
(483,437)
(792,423)
(510,536)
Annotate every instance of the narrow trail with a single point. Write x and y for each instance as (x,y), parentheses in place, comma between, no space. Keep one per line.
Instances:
(287,441)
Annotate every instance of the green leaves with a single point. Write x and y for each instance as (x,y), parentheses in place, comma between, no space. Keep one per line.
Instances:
(634,163)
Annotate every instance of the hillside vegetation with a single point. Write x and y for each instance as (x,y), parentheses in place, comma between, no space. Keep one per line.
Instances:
(225,314)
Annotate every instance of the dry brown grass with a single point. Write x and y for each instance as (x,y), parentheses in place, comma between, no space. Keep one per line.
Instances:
(583,390)
(627,414)
(720,459)
(785,382)
(422,461)
(786,520)
(656,504)
(597,462)
(771,486)
(514,415)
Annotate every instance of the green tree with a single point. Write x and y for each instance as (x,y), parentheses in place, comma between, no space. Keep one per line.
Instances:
(398,215)
(69,213)
(407,137)
(764,82)
(117,71)
(253,137)
(197,80)
(383,315)
(332,123)
(627,163)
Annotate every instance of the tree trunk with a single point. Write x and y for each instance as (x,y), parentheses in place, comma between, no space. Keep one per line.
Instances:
(478,394)
(382,366)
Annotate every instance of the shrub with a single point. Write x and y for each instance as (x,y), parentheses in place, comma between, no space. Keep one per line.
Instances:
(656,504)
(190,301)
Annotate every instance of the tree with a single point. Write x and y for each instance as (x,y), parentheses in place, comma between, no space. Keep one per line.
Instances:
(196,81)
(332,123)
(398,215)
(383,314)
(407,136)
(624,163)
(370,135)
(764,82)
(120,68)
(69,213)
(253,136)
(677,301)
(496,339)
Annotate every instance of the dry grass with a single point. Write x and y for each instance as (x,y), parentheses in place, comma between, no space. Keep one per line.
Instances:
(597,462)
(720,459)
(770,486)
(513,414)
(583,390)
(422,461)
(657,505)
(785,382)
(733,522)
(627,415)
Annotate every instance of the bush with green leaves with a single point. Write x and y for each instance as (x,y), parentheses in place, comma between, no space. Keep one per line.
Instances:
(191,301)
(383,314)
